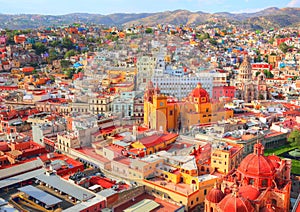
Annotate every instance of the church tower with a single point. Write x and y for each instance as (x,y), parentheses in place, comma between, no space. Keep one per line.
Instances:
(245,70)
(245,84)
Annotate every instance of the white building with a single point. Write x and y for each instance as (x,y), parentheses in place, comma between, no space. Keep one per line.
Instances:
(123,104)
(180,85)
(145,69)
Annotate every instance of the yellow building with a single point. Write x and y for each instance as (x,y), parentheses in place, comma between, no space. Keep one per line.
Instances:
(66,141)
(226,157)
(190,195)
(164,113)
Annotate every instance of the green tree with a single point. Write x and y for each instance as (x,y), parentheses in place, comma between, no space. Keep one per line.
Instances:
(149,30)
(268,74)
(261,97)
(203,36)
(53,55)
(294,138)
(55,43)
(213,42)
(271,41)
(39,48)
(65,63)
(70,53)
(67,43)
(69,72)
(52,78)
(283,47)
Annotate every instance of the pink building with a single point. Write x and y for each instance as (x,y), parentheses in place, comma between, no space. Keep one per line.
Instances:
(3,39)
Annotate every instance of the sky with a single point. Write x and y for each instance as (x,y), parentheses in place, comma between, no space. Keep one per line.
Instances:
(59,7)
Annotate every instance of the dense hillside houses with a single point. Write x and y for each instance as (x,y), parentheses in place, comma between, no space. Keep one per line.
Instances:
(150,118)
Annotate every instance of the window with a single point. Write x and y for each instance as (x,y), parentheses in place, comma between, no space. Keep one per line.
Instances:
(171,112)
(265,183)
(205,191)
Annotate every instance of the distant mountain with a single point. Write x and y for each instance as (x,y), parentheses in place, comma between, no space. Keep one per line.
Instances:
(270,17)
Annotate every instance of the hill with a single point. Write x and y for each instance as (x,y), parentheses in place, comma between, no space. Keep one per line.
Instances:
(270,17)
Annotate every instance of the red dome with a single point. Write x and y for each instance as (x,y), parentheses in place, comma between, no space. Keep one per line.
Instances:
(200,92)
(215,195)
(257,165)
(275,160)
(232,203)
(249,192)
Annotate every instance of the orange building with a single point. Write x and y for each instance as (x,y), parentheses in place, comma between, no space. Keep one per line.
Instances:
(19,38)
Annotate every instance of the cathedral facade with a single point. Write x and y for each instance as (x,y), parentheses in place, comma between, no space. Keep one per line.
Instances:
(250,87)
(163,112)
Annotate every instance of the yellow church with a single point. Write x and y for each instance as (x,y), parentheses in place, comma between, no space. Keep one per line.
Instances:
(163,113)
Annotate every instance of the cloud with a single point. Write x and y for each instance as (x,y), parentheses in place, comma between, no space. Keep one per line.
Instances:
(249,10)
(294,3)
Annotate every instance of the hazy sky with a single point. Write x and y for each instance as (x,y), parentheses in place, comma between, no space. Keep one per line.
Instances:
(113,6)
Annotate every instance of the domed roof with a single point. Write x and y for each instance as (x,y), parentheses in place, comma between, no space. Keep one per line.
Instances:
(249,192)
(215,195)
(245,69)
(199,92)
(233,202)
(246,65)
(275,160)
(256,164)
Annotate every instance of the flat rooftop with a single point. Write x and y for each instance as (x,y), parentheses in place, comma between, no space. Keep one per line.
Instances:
(181,188)
(40,195)
(163,205)
(19,169)
(20,178)
(142,206)
(66,187)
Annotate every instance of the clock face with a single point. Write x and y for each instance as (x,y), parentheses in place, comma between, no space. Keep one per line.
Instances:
(161,104)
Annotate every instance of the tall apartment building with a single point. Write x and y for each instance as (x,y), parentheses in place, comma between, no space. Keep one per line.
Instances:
(145,70)
(179,84)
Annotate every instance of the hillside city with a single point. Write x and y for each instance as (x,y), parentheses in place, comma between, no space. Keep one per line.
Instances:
(150,118)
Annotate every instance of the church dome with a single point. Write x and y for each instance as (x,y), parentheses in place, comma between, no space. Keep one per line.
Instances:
(245,69)
(275,160)
(233,202)
(249,192)
(215,195)
(200,93)
(256,164)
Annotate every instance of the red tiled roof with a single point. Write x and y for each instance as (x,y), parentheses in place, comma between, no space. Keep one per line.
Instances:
(123,160)
(103,182)
(108,129)
(91,153)
(154,140)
